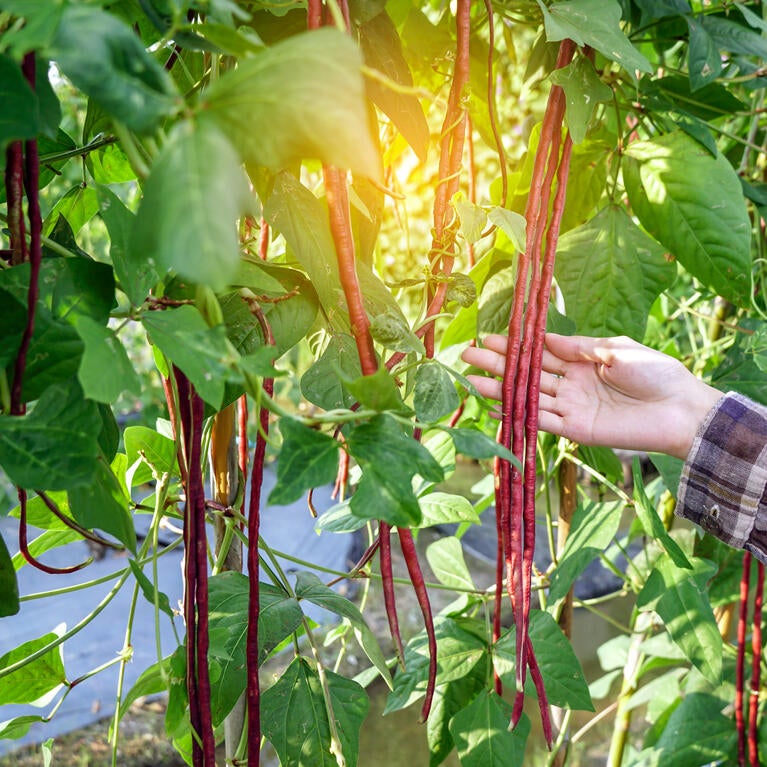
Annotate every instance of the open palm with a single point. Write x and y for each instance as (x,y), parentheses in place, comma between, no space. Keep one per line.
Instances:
(609,391)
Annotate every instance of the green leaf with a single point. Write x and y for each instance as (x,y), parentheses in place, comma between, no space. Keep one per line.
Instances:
(651,522)
(147,450)
(446,509)
(9,587)
(387,497)
(392,331)
(13,729)
(14,323)
(473,218)
(458,652)
(18,104)
(595,23)
(105,370)
(734,37)
(610,272)
(321,383)
(56,445)
(592,529)
(685,743)
(308,458)
(152,681)
(106,60)
(279,617)
(148,589)
(668,181)
(295,718)
(312,589)
(482,737)
(78,206)
(583,91)
(103,504)
(382,49)
(448,700)
(302,98)
(512,224)
(34,682)
(435,395)
(445,557)
(476,444)
(680,599)
(704,63)
(42,20)
(339,519)
(203,353)
(186,222)
(496,296)
(377,391)
(382,442)
(561,670)
(134,271)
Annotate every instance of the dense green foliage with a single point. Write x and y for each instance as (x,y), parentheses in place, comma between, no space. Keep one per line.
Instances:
(179,137)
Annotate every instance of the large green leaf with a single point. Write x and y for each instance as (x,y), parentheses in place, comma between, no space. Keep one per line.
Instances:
(583,91)
(448,700)
(321,383)
(378,391)
(105,370)
(445,557)
(36,680)
(18,104)
(390,459)
(78,206)
(279,616)
(203,353)
(148,453)
(105,59)
(446,509)
(186,222)
(595,23)
(56,445)
(435,396)
(704,64)
(312,589)
(308,459)
(482,737)
(302,98)
(135,272)
(561,670)
(14,323)
(610,272)
(651,521)
(9,588)
(383,51)
(679,597)
(693,204)
(294,716)
(103,504)
(697,733)
(592,529)
(458,652)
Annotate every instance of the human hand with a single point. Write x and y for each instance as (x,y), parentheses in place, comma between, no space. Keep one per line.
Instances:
(608,391)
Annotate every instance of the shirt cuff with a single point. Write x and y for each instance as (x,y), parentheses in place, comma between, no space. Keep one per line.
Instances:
(724,479)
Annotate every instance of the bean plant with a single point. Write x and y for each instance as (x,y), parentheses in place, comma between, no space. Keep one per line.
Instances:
(267,230)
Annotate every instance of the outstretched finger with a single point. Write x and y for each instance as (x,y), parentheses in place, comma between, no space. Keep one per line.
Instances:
(486,359)
(487,387)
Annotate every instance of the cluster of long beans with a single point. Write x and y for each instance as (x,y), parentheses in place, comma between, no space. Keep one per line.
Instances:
(747,707)
(515,490)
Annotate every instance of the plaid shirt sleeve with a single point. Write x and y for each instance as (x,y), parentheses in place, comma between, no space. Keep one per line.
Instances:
(724,480)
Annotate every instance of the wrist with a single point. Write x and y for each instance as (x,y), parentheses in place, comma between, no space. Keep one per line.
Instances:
(693,411)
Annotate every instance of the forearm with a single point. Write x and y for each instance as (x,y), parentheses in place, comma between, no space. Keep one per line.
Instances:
(724,481)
